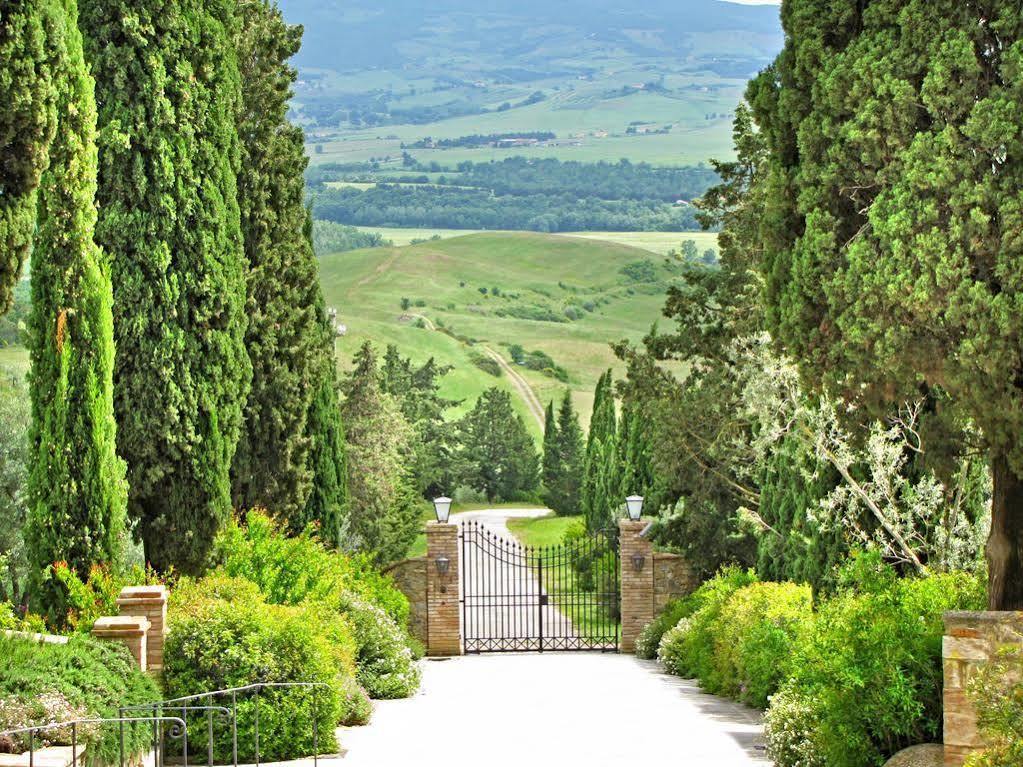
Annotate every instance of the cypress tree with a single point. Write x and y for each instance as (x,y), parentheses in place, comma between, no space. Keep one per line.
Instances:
(601,457)
(27,121)
(168,95)
(272,466)
(327,504)
(565,489)
(77,491)
(550,469)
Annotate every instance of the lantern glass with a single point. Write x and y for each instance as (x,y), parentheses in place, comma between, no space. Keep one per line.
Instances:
(442,507)
(634,503)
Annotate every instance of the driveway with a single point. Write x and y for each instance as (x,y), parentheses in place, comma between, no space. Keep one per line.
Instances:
(555,710)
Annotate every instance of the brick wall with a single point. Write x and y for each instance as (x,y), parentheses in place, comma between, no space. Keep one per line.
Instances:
(637,584)
(971,640)
(410,578)
(444,636)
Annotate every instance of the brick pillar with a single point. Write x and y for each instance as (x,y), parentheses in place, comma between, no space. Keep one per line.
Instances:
(443,629)
(637,584)
(129,630)
(971,640)
(148,602)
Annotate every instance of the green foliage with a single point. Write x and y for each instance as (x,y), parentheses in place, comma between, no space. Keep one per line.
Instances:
(869,666)
(689,649)
(77,491)
(600,492)
(223,634)
(286,345)
(329,237)
(328,503)
(85,677)
(487,364)
(386,661)
(291,570)
(891,216)
(168,95)
(14,460)
(998,699)
(496,454)
(640,271)
(85,599)
(27,124)
(384,517)
(563,460)
(650,637)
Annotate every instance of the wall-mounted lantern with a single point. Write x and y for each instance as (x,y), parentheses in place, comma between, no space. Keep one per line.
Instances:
(638,560)
(443,565)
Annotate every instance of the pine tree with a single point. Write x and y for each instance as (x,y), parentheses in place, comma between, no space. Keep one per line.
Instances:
(168,94)
(379,444)
(28,118)
(550,470)
(77,492)
(496,452)
(272,467)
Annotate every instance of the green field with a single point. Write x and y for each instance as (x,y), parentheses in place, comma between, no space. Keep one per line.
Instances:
(542,531)
(655,242)
(367,287)
(14,361)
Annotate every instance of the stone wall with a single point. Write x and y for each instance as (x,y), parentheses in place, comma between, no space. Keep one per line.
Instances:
(410,578)
(674,578)
(971,640)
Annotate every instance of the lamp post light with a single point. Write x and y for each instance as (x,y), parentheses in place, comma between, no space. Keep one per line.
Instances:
(634,503)
(442,507)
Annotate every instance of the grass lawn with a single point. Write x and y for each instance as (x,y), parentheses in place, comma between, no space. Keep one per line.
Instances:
(563,583)
(419,546)
(14,361)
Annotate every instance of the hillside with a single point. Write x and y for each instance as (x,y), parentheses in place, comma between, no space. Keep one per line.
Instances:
(654,81)
(534,274)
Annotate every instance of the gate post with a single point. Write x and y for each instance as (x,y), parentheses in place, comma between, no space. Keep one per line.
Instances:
(636,562)
(442,579)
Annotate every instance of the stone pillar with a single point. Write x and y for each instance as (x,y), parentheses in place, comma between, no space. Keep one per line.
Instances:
(971,640)
(129,630)
(637,581)
(443,625)
(148,602)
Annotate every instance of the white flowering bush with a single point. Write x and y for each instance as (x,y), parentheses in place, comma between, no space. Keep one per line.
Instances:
(51,706)
(386,664)
(672,651)
(789,728)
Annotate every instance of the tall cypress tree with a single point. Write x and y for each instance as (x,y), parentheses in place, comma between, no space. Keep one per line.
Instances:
(271,466)
(550,468)
(78,495)
(564,489)
(601,461)
(27,121)
(168,95)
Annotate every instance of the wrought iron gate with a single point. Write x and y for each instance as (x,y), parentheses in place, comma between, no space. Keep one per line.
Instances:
(519,598)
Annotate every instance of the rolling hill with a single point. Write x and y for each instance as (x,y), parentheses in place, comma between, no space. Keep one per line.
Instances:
(533,284)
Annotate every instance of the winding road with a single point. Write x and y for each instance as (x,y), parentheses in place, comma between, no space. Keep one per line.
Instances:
(521,385)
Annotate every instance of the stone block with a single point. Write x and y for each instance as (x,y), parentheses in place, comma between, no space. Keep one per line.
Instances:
(128,630)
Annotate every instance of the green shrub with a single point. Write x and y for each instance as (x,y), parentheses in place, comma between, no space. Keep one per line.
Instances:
(291,570)
(223,634)
(869,665)
(688,650)
(754,638)
(650,637)
(997,694)
(487,364)
(790,728)
(386,662)
(41,683)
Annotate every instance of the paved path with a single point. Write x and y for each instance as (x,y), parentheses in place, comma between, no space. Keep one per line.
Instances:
(554,710)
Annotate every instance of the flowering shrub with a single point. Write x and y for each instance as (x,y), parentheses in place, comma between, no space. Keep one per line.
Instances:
(42,683)
(387,665)
(790,726)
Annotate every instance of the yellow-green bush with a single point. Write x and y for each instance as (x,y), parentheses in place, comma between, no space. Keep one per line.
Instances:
(753,639)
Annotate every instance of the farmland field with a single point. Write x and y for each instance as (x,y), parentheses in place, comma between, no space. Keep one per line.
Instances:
(531,273)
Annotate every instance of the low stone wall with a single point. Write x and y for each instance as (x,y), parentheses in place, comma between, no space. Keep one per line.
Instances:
(410,578)
(971,640)
(674,578)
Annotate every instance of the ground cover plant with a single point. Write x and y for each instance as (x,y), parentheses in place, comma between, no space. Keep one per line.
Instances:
(85,678)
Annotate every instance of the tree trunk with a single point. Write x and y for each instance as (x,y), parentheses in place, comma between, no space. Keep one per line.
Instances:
(1005,544)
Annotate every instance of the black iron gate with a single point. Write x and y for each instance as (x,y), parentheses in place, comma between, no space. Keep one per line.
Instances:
(519,598)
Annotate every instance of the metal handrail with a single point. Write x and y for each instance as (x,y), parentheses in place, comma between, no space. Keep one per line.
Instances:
(178,730)
(228,713)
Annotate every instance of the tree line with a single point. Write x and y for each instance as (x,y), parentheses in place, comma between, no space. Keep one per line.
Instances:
(182,359)
(389,205)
